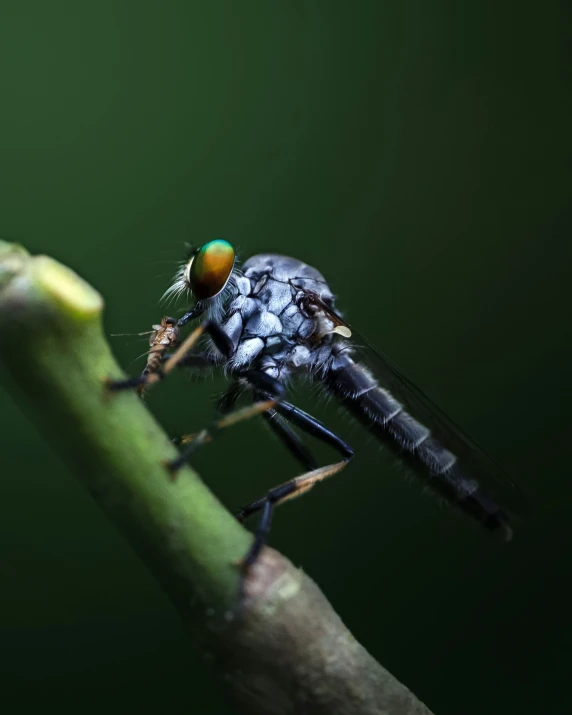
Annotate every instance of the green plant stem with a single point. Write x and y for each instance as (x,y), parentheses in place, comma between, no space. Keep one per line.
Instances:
(287,651)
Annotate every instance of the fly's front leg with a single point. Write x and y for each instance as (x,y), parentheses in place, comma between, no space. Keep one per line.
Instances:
(159,366)
(191,314)
(164,336)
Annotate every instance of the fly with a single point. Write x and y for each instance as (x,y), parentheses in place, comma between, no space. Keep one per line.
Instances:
(275,319)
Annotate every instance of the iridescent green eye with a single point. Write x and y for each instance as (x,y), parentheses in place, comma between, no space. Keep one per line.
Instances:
(210,268)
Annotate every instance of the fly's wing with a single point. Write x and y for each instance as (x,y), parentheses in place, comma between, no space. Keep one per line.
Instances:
(473,459)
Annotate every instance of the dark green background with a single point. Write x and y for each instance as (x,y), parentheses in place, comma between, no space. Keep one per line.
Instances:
(418,153)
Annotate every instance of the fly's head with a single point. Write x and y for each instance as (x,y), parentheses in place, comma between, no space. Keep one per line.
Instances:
(206,276)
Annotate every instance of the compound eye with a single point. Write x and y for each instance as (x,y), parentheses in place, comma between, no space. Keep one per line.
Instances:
(210,268)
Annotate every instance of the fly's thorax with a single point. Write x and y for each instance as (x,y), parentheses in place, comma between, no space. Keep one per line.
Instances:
(273,320)
(283,269)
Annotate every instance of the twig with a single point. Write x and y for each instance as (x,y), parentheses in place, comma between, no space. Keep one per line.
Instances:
(287,652)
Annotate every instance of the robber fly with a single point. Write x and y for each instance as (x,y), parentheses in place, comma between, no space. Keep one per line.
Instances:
(275,319)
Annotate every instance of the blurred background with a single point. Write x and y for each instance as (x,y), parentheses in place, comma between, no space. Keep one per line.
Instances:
(419,155)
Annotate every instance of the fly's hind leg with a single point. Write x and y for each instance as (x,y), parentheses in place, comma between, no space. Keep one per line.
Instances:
(299,485)
(290,439)
(289,490)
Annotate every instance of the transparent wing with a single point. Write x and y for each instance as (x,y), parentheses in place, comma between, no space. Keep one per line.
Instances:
(473,459)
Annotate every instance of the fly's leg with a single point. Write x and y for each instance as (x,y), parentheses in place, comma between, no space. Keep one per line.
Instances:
(312,426)
(205,360)
(228,418)
(193,442)
(219,337)
(191,314)
(289,490)
(198,361)
(149,377)
(221,340)
(299,485)
(290,439)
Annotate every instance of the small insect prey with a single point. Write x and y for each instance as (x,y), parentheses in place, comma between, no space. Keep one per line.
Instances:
(164,337)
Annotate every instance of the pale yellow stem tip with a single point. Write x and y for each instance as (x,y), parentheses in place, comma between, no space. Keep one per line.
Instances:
(66,288)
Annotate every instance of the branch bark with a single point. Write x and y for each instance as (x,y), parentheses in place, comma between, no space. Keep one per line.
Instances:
(286,651)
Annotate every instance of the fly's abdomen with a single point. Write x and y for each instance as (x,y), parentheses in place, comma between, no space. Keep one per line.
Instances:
(413,442)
